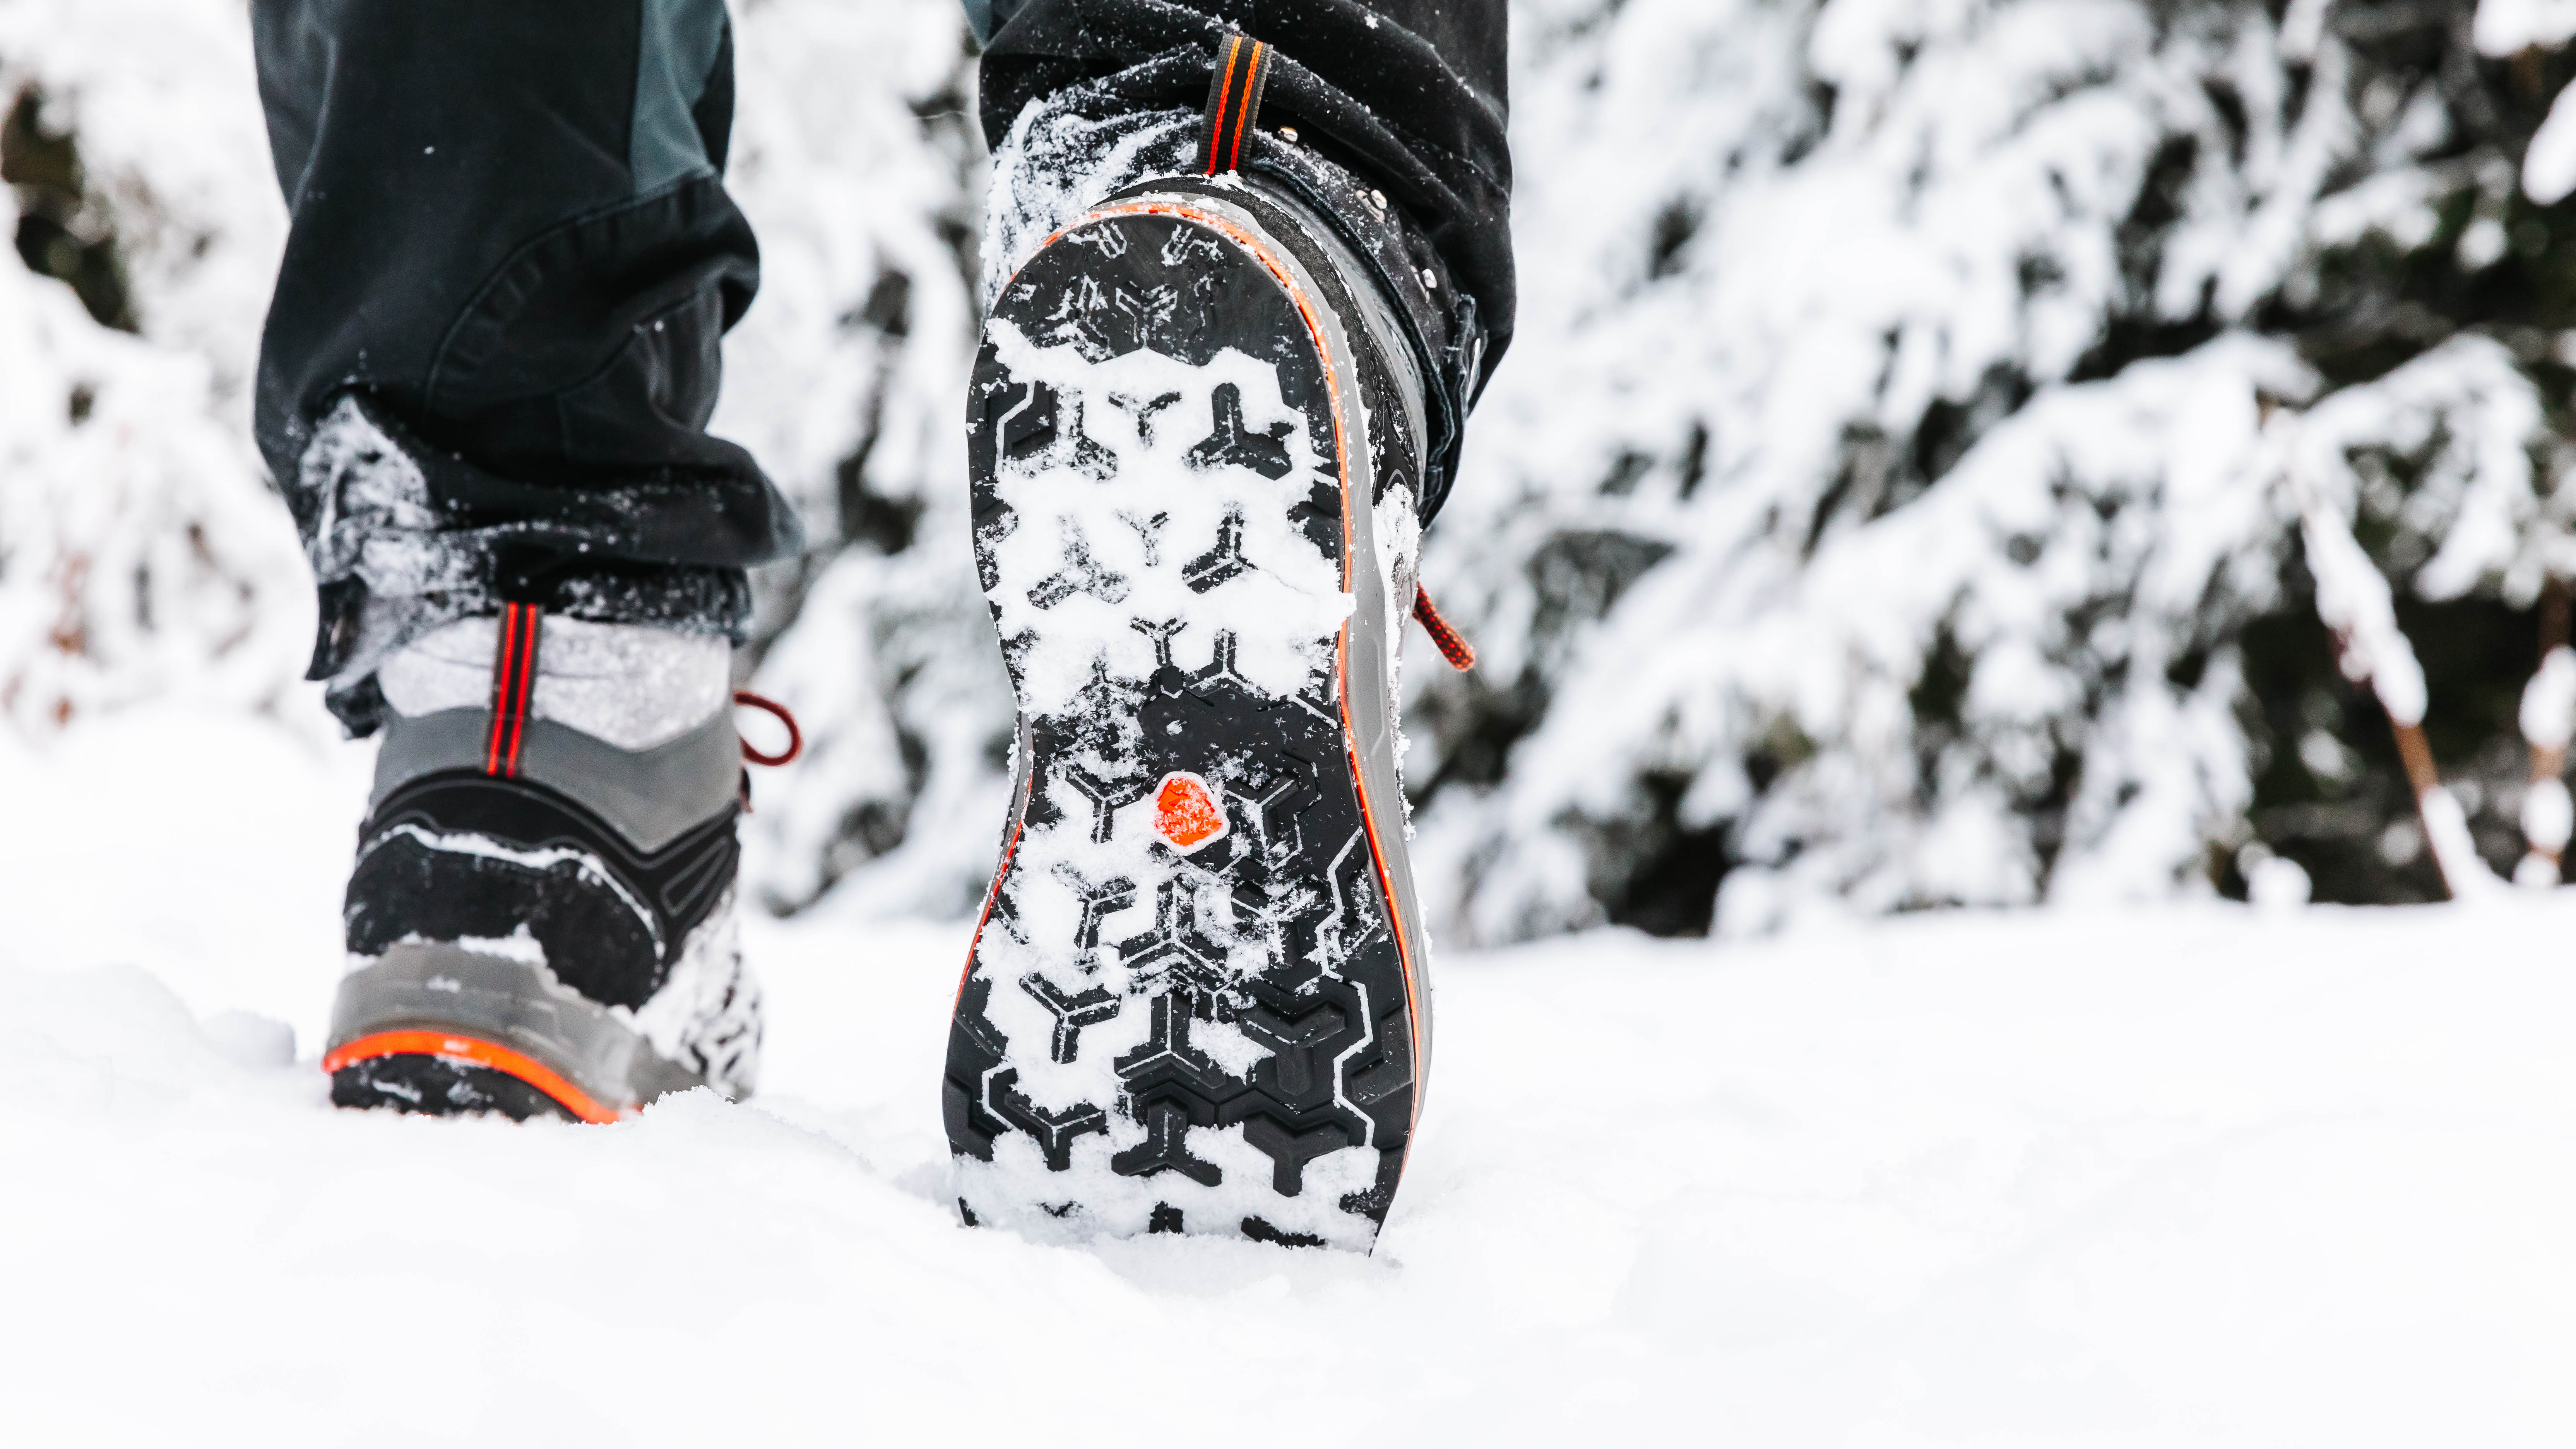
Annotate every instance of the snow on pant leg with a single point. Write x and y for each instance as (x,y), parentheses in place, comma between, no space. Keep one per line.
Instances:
(493,349)
(1411,93)
(1408,94)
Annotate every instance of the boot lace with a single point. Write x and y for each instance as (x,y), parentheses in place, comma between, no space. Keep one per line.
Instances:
(1453,646)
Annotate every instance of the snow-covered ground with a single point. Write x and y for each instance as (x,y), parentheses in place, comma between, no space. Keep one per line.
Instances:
(2190,1176)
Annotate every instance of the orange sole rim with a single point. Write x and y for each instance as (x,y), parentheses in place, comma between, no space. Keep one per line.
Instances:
(482,1054)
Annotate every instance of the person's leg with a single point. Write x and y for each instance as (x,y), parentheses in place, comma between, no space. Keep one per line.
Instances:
(1238,311)
(493,349)
(484,389)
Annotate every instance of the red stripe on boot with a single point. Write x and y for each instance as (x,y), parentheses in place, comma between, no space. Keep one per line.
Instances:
(514,678)
(1251,100)
(1217,104)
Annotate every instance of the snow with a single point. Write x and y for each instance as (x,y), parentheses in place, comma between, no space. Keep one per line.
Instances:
(2188,1175)
(2446,831)
(1099,531)
(141,554)
(1052,168)
(2272,882)
(2549,167)
(2548,816)
(2503,27)
(2354,601)
(2548,714)
(1779,258)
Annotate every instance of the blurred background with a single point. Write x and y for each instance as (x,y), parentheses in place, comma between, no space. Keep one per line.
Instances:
(1956,451)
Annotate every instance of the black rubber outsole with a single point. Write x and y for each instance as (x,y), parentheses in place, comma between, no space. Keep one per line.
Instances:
(439,1087)
(1185,1040)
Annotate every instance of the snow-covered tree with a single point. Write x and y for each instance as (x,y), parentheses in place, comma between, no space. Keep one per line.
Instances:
(141,552)
(1882,509)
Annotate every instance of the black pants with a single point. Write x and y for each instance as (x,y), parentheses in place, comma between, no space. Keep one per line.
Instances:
(493,350)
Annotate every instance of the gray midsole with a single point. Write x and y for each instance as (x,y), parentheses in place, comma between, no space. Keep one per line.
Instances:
(651,796)
(515,1004)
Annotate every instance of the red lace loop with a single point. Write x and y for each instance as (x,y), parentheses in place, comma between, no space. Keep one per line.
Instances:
(795,736)
(1453,646)
(514,686)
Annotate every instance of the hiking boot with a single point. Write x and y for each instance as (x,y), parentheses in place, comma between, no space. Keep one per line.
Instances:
(1197,999)
(540,920)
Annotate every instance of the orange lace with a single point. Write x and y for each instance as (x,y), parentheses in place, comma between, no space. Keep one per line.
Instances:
(1453,646)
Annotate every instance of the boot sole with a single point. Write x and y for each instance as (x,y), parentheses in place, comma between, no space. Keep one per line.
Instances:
(443,1074)
(1195,1000)
(439,1029)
